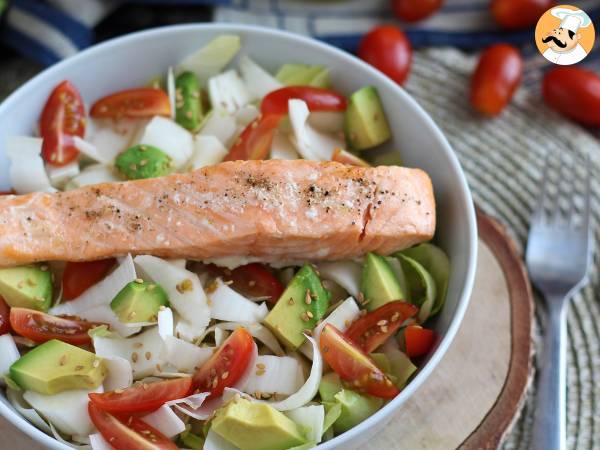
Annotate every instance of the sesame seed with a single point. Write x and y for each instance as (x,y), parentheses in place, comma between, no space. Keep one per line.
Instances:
(384,329)
(215,382)
(395,317)
(133,167)
(143,162)
(139,280)
(309,314)
(382,322)
(63,360)
(148,355)
(260,372)
(96,363)
(225,375)
(260,366)
(138,345)
(308,299)
(251,283)
(119,391)
(185,286)
(291,301)
(151,287)
(78,368)
(304,317)
(134,357)
(31,282)
(158,367)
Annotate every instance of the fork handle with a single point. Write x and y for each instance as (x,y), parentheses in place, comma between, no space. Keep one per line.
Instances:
(549,427)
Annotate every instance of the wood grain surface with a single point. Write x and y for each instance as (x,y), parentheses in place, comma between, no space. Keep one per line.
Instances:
(475,394)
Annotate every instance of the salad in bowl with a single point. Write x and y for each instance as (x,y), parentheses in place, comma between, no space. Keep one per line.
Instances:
(213,260)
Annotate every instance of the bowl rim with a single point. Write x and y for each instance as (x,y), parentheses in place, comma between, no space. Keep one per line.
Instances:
(380,417)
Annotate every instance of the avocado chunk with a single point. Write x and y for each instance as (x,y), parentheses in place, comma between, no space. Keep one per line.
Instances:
(355,408)
(379,284)
(139,302)
(188,105)
(27,287)
(143,161)
(365,124)
(304,75)
(301,306)
(256,426)
(56,366)
(421,286)
(191,441)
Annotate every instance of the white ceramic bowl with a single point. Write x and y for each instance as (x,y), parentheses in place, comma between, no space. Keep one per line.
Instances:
(131,60)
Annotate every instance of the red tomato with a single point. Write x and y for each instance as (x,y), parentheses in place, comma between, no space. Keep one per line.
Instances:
(78,277)
(372,330)
(4,317)
(519,13)
(7,193)
(255,141)
(344,157)
(573,92)
(418,340)
(252,280)
(227,365)
(128,434)
(142,397)
(41,327)
(140,102)
(354,366)
(63,118)
(317,99)
(415,10)
(388,49)
(496,78)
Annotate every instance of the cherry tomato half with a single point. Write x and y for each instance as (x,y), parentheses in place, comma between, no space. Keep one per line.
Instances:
(388,49)
(227,365)
(78,277)
(142,397)
(4,317)
(41,327)
(317,99)
(372,330)
(344,157)
(138,103)
(255,141)
(415,10)
(128,433)
(418,341)
(63,118)
(354,366)
(573,92)
(252,280)
(513,14)
(496,78)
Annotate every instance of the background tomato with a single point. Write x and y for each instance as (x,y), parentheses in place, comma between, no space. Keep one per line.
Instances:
(78,277)
(415,10)
(573,92)
(63,118)
(513,14)
(496,78)
(388,49)
(4,317)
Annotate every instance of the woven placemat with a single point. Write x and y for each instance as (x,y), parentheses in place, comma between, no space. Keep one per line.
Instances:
(502,158)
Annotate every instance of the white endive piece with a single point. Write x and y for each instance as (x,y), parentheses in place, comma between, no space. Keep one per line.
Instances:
(120,373)
(216,442)
(8,354)
(16,400)
(327,121)
(183,287)
(60,175)
(63,441)
(27,172)
(245,115)
(104,314)
(143,350)
(345,273)
(171,91)
(171,138)
(183,355)
(67,411)
(310,418)
(165,421)
(208,150)
(187,331)
(110,138)
(220,124)
(165,322)
(258,81)
(91,151)
(212,58)
(228,92)
(275,375)
(310,143)
(258,331)
(99,443)
(227,304)
(94,174)
(282,147)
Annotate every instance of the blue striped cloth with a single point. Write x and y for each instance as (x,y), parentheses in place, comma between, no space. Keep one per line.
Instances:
(49,30)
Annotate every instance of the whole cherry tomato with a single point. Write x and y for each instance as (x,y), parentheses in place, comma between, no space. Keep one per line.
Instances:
(573,92)
(63,118)
(514,14)
(415,10)
(388,49)
(496,78)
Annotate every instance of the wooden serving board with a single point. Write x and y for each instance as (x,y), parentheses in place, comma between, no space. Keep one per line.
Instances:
(475,394)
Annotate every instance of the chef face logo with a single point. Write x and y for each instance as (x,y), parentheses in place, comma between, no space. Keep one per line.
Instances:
(564,35)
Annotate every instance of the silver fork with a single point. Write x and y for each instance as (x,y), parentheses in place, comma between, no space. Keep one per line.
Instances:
(559,252)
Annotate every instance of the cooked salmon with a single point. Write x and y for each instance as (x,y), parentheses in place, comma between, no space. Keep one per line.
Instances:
(270,211)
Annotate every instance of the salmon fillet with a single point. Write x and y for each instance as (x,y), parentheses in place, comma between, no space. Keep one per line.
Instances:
(270,211)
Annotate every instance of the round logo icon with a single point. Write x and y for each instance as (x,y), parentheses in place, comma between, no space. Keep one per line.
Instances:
(565,35)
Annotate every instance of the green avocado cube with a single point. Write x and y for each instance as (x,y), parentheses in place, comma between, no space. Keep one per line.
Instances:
(139,302)
(56,366)
(379,285)
(143,161)
(27,287)
(188,104)
(300,307)
(365,124)
(256,426)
